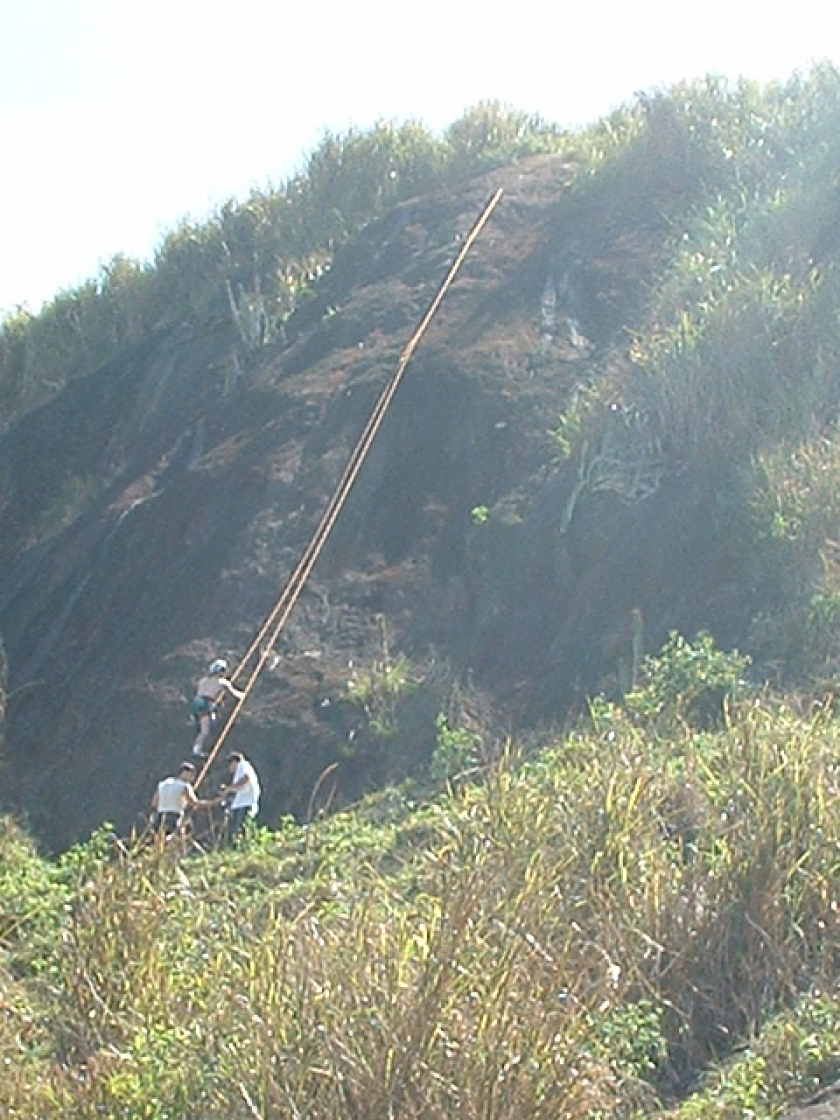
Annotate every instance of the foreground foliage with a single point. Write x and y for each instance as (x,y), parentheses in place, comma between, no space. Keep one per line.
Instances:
(591,931)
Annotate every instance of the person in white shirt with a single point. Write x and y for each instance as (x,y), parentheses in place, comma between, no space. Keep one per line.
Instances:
(208,692)
(241,794)
(173,797)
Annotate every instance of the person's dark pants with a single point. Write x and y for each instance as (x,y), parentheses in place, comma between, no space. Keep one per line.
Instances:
(167,823)
(236,820)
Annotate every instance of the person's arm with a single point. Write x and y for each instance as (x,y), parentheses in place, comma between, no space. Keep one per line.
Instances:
(232,689)
(195,802)
(211,804)
(238,783)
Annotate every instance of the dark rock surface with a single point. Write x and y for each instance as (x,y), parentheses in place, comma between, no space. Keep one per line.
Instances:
(153,511)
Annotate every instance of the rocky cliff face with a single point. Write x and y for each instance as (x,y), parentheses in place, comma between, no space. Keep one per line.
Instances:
(152,513)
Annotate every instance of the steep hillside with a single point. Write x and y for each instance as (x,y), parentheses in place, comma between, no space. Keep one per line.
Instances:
(618,438)
(154,509)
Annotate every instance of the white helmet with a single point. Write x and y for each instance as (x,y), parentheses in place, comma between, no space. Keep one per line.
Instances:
(218,666)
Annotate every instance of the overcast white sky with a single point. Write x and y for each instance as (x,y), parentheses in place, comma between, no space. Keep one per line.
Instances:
(120,117)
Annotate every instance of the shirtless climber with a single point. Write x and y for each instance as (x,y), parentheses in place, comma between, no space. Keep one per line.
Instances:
(208,693)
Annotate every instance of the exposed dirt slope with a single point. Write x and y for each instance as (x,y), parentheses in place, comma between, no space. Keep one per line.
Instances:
(152,513)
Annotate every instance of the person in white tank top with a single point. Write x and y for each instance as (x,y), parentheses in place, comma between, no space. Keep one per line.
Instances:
(173,797)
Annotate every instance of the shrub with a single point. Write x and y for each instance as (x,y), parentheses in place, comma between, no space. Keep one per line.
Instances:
(455,751)
(688,681)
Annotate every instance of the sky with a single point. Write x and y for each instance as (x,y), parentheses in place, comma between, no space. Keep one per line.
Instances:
(121,118)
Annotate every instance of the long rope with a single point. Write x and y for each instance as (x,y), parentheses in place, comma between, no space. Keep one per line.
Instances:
(272,627)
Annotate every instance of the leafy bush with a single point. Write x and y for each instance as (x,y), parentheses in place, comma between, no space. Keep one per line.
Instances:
(690,681)
(378,688)
(455,752)
(492,133)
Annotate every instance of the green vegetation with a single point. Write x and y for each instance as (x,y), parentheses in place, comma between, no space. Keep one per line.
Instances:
(378,689)
(252,262)
(456,750)
(705,156)
(636,915)
(693,681)
(646,903)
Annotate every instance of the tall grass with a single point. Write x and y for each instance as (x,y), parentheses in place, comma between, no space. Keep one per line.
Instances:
(580,934)
(796,521)
(256,257)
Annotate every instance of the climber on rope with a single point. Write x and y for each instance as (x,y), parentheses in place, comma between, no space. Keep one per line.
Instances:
(209,692)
